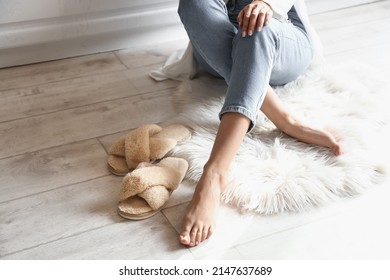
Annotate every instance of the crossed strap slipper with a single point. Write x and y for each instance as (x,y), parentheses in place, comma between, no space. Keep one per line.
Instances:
(147,143)
(147,189)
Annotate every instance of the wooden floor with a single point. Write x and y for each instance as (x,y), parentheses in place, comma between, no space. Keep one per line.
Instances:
(58,200)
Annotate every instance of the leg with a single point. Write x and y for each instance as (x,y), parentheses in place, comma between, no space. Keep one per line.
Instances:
(198,223)
(211,34)
(277,54)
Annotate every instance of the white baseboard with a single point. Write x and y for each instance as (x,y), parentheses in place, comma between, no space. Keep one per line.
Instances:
(130,27)
(49,39)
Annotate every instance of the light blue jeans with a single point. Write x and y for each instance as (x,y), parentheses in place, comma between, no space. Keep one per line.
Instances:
(276,55)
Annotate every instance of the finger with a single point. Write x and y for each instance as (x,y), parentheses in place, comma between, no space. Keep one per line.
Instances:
(268,17)
(260,20)
(253,20)
(245,21)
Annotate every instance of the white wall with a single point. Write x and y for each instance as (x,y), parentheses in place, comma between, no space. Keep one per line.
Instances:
(41,30)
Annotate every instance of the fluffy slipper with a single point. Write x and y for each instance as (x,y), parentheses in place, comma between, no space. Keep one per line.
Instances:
(147,189)
(144,144)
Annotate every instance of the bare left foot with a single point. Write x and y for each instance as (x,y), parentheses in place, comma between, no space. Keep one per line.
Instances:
(312,135)
(274,109)
(199,221)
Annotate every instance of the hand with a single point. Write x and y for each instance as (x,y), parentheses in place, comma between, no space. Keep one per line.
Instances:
(254,16)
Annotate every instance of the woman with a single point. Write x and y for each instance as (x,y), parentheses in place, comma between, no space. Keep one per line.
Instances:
(252,45)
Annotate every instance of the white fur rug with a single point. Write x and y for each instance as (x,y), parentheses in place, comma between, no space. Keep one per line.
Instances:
(273,172)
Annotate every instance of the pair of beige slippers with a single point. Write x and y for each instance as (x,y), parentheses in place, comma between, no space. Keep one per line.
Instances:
(150,175)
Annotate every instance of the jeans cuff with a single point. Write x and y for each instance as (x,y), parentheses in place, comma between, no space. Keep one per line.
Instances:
(243,111)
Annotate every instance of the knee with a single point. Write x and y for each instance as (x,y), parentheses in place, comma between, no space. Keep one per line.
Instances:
(196,9)
(267,33)
(266,37)
(187,7)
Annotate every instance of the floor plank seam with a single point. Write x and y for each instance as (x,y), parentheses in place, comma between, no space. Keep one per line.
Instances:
(60,239)
(169,222)
(57,188)
(358,49)
(143,65)
(51,147)
(124,131)
(285,230)
(176,205)
(102,145)
(238,252)
(120,60)
(59,80)
(86,105)
(346,8)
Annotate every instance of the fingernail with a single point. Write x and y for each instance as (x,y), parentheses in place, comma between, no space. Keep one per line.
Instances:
(250,33)
(258,29)
(244,34)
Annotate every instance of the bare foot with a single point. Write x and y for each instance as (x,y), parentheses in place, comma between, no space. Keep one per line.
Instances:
(312,135)
(199,221)
(275,110)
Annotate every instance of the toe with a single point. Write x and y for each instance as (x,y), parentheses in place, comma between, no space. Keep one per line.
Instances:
(194,233)
(199,237)
(205,233)
(210,232)
(185,234)
(184,239)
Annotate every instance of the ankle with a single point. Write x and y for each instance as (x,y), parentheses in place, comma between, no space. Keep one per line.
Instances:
(214,170)
(216,175)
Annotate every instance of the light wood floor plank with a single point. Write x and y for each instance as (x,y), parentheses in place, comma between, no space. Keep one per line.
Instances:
(140,79)
(44,170)
(350,37)
(354,28)
(351,16)
(359,233)
(77,92)
(57,96)
(320,6)
(235,228)
(376,56)
(41,73)
(80,221)
(82,123)
(152,239)
(58,214)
